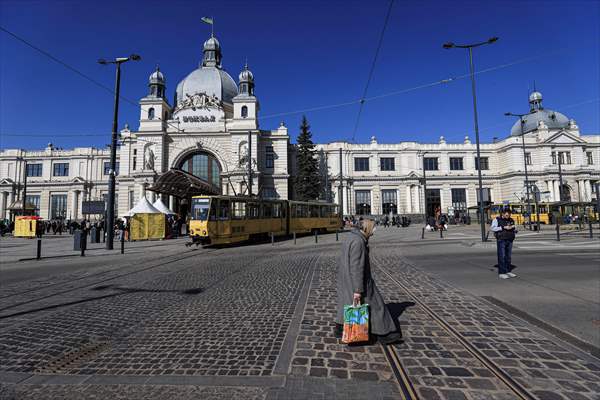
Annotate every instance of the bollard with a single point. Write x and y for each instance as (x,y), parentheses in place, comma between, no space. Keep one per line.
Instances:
(558,232)
(272,239)
(122,242)
(442,233)
(294,237)
(337,237)
(591,232)
(39,248)
(316,236)
(423,233)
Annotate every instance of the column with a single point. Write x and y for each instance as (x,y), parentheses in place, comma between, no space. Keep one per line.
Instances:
(588,190)
(11,199)
(171,202)
(75,205)
(3,205)
(416,199)
(557,191)
(550,186)
(408,194)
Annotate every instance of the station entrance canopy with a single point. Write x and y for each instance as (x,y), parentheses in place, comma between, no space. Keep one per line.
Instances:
(179,183)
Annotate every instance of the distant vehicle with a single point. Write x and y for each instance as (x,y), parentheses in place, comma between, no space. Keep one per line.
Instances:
(519,211)
(233,219)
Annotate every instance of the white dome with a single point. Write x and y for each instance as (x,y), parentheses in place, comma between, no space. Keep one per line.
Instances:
(535,96)
(156,77)
(209,80)
(212,44)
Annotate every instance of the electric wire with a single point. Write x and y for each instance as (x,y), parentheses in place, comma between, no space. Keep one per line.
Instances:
(364,94)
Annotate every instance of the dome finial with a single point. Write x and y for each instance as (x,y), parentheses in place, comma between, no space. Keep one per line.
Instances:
(535,100)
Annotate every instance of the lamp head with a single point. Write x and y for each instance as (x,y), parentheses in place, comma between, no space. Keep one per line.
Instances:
(448,45)
(493,39)
(102,61)
(135,57)
(507,114)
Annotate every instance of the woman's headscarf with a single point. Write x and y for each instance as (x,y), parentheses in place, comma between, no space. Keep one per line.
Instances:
(367,227)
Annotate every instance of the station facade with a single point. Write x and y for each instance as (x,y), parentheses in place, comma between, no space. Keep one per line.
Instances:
(208,140)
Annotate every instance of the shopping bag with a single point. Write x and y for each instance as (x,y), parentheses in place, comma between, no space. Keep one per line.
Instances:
(356,324)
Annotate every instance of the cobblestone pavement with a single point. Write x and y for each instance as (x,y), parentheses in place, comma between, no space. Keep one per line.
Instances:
(256,322)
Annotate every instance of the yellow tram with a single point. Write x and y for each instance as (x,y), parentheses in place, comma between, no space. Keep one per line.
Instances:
(518,210)
(233,219)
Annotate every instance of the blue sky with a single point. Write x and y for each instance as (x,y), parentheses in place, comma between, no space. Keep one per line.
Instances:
(303,54)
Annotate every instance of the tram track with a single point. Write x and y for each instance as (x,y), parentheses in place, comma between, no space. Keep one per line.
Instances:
(191,253)
(407,389)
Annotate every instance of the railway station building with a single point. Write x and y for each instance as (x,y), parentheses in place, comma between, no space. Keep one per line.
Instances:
(208,141)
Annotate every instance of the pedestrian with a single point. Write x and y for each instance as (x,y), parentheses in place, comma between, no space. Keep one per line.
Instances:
(503,227)
(355,285)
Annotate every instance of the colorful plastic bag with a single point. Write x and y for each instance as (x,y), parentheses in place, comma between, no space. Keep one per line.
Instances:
(356,324)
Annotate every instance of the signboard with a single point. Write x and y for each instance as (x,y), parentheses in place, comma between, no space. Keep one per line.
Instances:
(92,207)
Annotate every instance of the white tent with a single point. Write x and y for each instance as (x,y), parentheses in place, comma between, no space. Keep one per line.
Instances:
(143,207)
(160,206)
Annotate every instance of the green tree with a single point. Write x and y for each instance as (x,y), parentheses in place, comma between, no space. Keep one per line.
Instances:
(307,185)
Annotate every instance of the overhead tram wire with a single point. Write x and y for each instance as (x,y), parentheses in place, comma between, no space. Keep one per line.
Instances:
(402,91)
(362,99)
(78,72)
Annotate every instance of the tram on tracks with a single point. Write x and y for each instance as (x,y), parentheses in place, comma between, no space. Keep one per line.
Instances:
(233,219)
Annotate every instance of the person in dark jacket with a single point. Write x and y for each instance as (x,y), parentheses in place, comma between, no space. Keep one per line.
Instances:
(504,231)
(355,284)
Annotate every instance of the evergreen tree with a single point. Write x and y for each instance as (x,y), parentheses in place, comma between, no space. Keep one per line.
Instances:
(307,185)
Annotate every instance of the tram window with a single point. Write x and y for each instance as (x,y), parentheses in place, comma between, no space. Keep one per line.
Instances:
(212,215)
(200,209)
(314,211)
(267,210)
(238,210)
(276,210)
(283,210)
(252,210)
(324,211)
(223,209)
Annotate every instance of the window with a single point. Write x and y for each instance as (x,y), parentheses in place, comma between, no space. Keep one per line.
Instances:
(363,202)
(269,193)
(567,157)
(107,168)
(270,157)
(58,206)
(223,210)
(388,201)
(244,112)
(459,199)
(36,169)
(277,210)
(105,198)
(33,200)
(204,166)
(553,155)
(387,164)
(361,164)
(131,199)
(430,163)
(238,210)
(456,163)
(61,169)
(267,210)
(590,157)
(528,158)
(485,164)
(151,113)
(253,210)
(593,184)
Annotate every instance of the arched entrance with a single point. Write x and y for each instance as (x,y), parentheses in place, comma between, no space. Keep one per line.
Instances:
(195,173)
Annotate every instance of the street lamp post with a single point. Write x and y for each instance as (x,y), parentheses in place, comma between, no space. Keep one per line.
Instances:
(470,47)
(508,114)
(110,211)
(424,191)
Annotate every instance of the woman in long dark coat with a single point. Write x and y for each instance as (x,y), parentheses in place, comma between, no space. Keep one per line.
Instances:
(356,285)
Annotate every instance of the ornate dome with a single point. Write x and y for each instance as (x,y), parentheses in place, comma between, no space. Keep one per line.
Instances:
(552,119)
(212,44)
(209,78)
(156,77)
(246,75)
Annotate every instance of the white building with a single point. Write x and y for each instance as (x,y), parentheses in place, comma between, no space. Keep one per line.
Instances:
(201,144)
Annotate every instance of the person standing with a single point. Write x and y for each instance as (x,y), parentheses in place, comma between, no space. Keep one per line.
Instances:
(503,227)
(355,285)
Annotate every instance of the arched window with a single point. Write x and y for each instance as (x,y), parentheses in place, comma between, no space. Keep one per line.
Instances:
(151,113)
(244,111)
(204,166)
